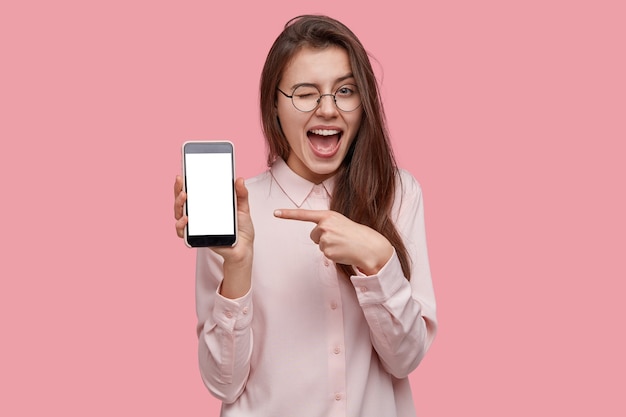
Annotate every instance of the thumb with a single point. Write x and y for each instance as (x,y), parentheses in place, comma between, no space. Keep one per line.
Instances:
(242,195)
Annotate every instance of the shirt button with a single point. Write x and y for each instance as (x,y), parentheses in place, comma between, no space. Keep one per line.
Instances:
(326,263)
(333,306)
(228,314)
(338,396)
(337,350)
(245,310)
(363,289)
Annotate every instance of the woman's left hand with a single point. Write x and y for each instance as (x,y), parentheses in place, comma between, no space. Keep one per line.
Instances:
(344,241)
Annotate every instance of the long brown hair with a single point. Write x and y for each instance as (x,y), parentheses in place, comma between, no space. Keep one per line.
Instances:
(366,179)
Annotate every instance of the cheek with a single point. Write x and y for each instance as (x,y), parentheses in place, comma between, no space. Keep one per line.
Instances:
(290,122)
(283,116)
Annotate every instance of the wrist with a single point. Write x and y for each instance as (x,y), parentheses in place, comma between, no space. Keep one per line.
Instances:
(378,259)
(238,259)
(237,276)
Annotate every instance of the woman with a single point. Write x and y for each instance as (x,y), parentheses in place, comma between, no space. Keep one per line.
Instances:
(325,304)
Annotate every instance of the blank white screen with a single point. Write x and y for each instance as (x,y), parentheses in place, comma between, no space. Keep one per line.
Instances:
(209,194)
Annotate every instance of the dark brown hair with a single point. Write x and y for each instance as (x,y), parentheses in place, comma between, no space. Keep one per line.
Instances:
(366,179)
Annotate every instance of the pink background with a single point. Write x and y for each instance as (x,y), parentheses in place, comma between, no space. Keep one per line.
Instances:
(511,115)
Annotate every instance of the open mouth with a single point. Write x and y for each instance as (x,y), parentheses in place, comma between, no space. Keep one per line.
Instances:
(324,142)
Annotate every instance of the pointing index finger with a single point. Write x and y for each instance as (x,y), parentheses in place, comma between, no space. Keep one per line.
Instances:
(305,215)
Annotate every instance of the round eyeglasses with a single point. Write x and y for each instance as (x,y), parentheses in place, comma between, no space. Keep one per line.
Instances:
(306,97)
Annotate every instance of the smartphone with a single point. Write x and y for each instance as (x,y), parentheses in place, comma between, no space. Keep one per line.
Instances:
(209,181)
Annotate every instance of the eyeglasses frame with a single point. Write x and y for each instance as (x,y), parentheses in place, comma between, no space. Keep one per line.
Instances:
(319,99)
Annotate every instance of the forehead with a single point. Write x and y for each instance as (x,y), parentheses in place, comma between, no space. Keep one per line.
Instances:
(317,66)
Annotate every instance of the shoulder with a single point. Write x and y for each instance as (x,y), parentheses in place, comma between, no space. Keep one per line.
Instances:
(406,184)
(408,201)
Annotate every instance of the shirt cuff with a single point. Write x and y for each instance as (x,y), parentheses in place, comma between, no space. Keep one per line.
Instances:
(378,288)
(232,314)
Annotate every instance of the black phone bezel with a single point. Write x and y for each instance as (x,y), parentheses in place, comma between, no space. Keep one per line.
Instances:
(198,241)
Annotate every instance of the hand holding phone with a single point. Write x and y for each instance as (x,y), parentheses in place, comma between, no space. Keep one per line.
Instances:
(209,182)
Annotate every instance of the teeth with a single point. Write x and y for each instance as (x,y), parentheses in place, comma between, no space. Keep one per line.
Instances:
(325,132)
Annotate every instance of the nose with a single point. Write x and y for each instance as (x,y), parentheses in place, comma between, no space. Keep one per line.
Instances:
(327,108)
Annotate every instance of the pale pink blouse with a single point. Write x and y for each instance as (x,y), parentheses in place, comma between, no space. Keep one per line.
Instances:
(306,341)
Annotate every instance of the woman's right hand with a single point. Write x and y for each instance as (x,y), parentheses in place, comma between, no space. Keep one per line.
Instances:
(245,229)
(238,258)
(241,253)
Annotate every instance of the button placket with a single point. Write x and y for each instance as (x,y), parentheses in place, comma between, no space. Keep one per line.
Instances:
(319,200)
(336,342)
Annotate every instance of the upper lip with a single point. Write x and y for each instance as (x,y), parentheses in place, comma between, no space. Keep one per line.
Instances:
(332,128)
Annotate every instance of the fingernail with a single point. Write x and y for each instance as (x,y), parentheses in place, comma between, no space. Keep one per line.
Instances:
(278,213)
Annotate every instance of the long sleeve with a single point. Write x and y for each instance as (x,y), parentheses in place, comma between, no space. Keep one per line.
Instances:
(401,313)
(224,331)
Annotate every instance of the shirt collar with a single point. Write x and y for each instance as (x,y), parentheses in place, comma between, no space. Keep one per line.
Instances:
(294,186)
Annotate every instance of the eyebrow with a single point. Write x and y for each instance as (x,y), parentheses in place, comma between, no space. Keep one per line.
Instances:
(338,80)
